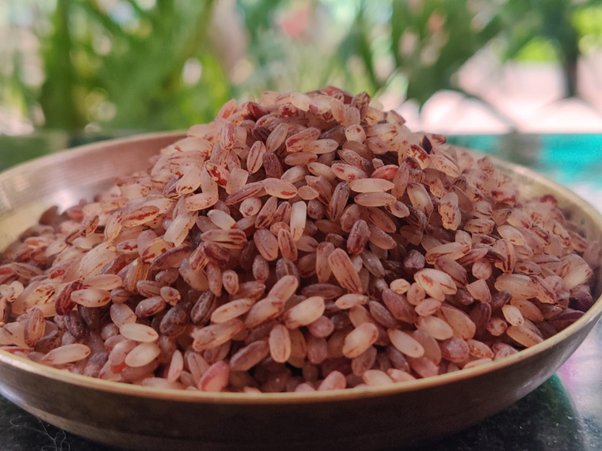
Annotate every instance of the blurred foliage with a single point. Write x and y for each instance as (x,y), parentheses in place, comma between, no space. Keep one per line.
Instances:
(163,64)
(434,41)
(546,22)
(129,72)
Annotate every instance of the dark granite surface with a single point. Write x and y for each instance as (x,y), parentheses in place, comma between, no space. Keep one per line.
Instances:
(564,414)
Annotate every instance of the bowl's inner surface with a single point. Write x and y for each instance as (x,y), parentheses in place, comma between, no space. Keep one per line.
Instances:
(63,179)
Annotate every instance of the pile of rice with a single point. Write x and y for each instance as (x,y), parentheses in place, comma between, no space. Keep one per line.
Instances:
(300,242)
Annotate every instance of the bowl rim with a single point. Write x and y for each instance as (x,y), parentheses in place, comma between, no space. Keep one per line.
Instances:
(120,388)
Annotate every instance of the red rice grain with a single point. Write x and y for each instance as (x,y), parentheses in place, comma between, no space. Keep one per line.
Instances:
(301,242)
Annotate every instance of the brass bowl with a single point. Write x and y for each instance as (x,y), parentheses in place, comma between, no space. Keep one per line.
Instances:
(143,418)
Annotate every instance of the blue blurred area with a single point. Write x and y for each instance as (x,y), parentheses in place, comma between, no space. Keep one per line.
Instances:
(567,158)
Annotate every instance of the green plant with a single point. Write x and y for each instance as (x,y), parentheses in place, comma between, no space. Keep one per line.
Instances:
(131,71)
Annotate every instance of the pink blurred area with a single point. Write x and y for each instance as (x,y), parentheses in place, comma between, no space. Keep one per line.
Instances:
(518,96)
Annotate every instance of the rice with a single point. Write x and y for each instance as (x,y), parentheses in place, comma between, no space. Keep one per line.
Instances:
(301,242)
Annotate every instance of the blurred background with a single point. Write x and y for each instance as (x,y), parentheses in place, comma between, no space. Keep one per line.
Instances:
(454,66)
(482,70)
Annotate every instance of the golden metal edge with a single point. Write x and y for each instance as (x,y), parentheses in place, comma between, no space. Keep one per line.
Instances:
(317,396)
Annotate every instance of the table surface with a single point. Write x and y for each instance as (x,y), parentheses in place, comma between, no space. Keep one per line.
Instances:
(564,414)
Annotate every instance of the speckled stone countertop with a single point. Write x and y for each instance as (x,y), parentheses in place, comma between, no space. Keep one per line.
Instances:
(564,414)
